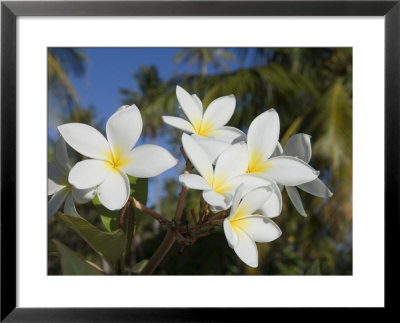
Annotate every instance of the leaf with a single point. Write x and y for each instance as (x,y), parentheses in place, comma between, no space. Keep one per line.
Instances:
(108,245)
(72,263)
(139,187)
(111,219)
(137,268)
(314,268)
(51,249)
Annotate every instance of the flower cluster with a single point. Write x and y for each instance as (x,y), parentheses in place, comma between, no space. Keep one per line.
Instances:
(244,174)
(249,173)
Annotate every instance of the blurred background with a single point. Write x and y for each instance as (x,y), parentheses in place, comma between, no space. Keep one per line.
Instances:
(311,88)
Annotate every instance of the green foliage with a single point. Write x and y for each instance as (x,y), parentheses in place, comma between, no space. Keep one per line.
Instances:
(314,268)
(111,219)
(73,263)
(137,268)
(110,246)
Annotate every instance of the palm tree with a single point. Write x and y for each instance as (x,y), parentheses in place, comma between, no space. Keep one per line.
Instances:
(311,88)
(61,62)
(201,58)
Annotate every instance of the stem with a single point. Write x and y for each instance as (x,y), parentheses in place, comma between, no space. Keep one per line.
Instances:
(160,253)
(150,212)
(169,239)
(127,221)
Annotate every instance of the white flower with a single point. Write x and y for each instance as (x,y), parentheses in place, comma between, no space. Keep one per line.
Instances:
(212,123)
(207,128)
(113,158)
(57,184)
(243,227)
(299,146)
(262,139)
(219,184)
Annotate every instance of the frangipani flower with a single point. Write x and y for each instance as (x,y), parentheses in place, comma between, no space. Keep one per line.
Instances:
(211,123)
(243,227)
(219,184)
(216,184)
(299,146)
(112,158)
(57,184)
(262,139)
(207,128)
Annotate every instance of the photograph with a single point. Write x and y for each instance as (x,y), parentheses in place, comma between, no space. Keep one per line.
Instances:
(200,161)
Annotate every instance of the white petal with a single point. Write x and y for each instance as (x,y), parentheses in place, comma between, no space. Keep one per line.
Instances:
(246,249)
(217,200)
(296,199)
(114,191)
(290,171)
(69,206)
(57,179)
(219,112)
(278,150)
(273,206)
(230,235)
(236,200)
(317,188)
(212,147)
(61,155)
(259,228)
(299,146)
(229,134)
(232,162)
(263,134)
(86,140)
(179,123)
(250,182)
(198,157)
(53,187)
(195,182)
(149,161)
(253,200)
(198,103)
(123,129)
(189,106)
(83,196)
(56,201)
(88,173)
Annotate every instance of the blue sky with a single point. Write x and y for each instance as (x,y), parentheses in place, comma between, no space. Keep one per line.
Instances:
(110,69)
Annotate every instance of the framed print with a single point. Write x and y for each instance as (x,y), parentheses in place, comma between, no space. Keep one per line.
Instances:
(194,152)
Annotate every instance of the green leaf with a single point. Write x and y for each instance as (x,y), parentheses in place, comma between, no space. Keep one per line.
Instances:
(111,219)
(137,268)
(72,263)
(314,268)
(139,187)
(139,190)
(108,245)
(51,249)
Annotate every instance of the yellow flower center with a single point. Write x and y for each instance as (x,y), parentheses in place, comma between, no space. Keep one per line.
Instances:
(238,225)
(116,159)
(203,127)
(221,185)
(257,163)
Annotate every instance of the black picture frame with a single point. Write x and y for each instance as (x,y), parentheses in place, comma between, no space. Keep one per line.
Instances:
(10,10)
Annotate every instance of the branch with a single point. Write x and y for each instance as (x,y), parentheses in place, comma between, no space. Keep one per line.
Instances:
(150,212)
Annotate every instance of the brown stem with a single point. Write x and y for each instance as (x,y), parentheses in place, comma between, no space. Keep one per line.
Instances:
(160,253)
(169,239)
(150,212)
